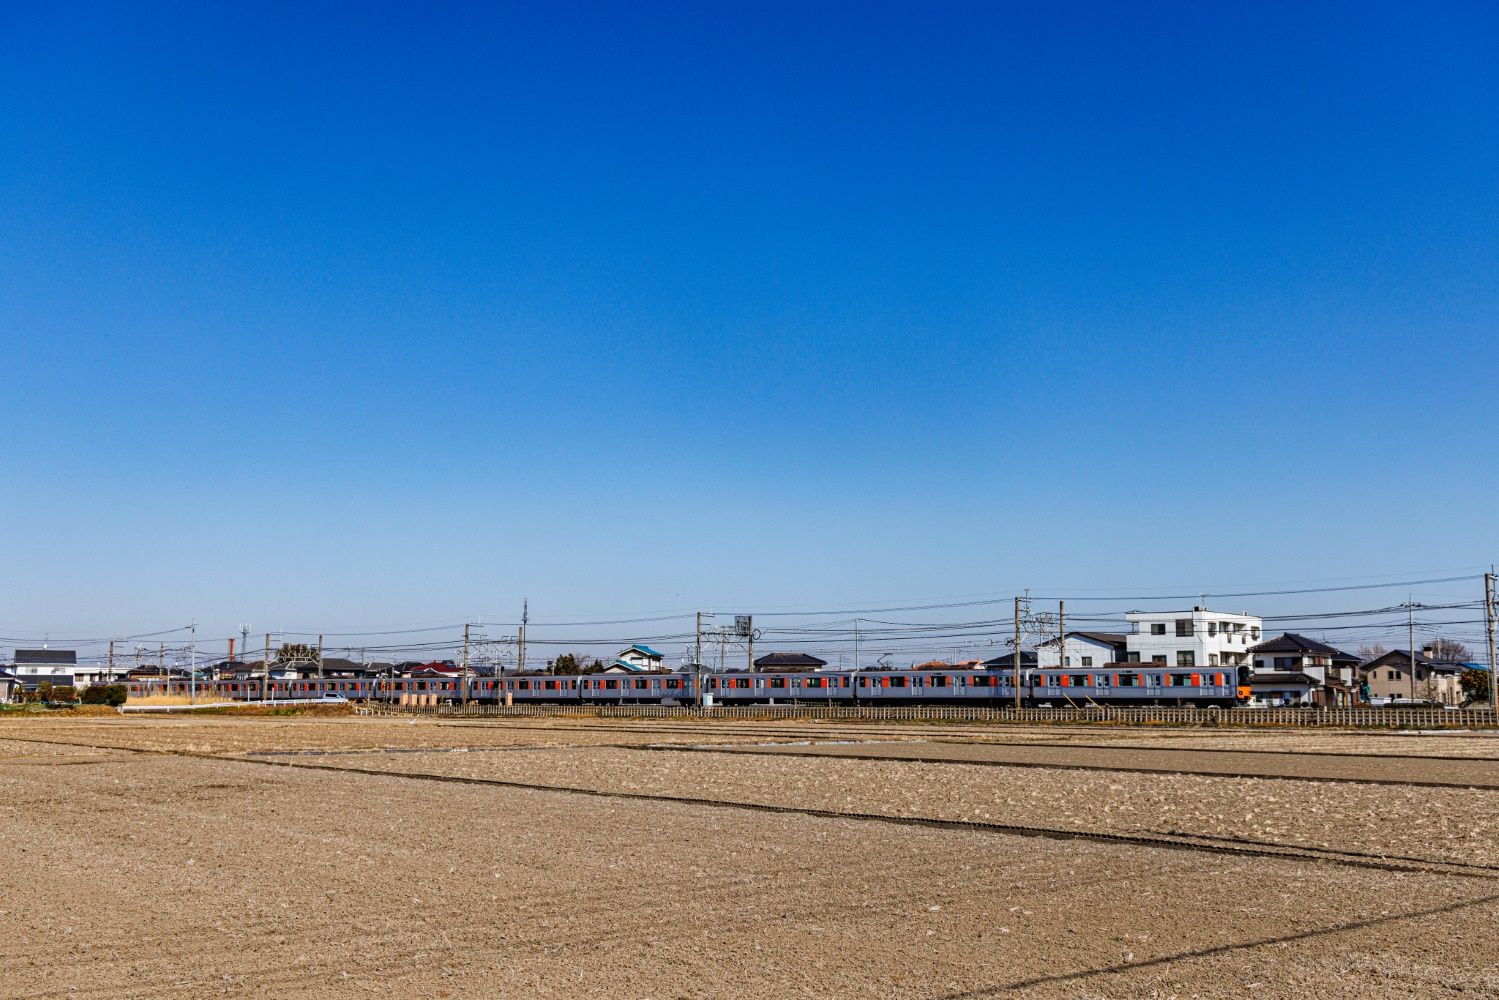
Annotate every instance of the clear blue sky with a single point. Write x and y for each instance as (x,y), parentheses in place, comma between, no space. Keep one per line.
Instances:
(345,316)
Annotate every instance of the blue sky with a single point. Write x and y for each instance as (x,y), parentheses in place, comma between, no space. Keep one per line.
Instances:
(349,315)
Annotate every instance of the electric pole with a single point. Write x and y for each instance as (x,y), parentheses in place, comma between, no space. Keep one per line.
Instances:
(697,657)
(1017,654)
(265,688)
(1410,607)
(465,664)
(525,617)
(856,645)
(321,691)
(1488,616)
(1061,634)
(192,678)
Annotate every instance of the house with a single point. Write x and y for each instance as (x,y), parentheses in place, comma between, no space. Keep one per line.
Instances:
(1283,688)
(1006,661)
(33,666)
(1298,653)
(636,659)
(789,662)
(1284,665)
(1082,649)
(9,685)
(1398,676)
(1196,638)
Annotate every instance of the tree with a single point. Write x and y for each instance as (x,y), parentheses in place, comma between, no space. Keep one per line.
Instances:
(1475,684)
(1371,651)
(1450,651)
(567,664)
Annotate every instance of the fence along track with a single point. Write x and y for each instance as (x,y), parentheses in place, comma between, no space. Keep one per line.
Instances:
(1384,718)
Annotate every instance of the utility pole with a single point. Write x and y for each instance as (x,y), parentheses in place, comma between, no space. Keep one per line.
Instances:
(856,645)
(1488,616)
(1061,634)
(1017,654)
(265,688)
(1410,607)
(321,691)
(244,642)
(192,677)
(465,664)
(525,617)
(697,658)
(112,659)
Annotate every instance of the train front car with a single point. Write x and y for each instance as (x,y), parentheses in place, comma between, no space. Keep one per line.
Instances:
(1126,684)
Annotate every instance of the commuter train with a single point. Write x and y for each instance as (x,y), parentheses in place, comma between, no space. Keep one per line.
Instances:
(1116,684)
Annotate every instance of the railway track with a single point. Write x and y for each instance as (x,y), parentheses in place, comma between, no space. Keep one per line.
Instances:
(1238,847)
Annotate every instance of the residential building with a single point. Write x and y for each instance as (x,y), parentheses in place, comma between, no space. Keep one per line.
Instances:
(1006,661)
(9,685)
(1293,652)
(1196,638)
(1284,688)
(1082,649)
(637,659)
(32,666)
(1397,676)
(789,662)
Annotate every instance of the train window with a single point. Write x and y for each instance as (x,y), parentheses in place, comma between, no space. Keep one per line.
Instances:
(672,683)
(1079,680)
(898,682)
(1129,680)
(863,682)
(611,685)
(981,680)
(640,684)
(778,682)
(937,680)
(1101,680)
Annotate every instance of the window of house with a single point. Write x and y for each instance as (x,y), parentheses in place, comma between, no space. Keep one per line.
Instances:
(1158,628)
(1186,658)
(1160,658)
(1184,626)
(1066,661)
(1212,628)
(1254,633)
(1087,661)
(1212,659)
(1132,657)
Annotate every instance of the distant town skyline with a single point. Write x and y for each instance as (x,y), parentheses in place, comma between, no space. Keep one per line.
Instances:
(316,320)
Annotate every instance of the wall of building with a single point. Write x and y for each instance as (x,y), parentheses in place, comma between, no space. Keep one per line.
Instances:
(1077,649)
(1216,637)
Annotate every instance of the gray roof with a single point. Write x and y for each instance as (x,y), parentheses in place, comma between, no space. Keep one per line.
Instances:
(47,656)
(1292,642)
(789,660)
(56,680)
(1105,638)
(1282,677)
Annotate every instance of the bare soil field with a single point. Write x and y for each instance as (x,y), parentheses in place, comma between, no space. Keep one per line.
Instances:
(331,858)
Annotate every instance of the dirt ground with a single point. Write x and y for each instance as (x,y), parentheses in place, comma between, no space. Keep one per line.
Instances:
(330,858)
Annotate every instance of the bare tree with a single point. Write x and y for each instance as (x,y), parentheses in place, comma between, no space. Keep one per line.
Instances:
(1371,651)
(1450,651)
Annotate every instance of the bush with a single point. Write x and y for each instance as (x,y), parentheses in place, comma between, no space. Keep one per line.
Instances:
(112,695)
(62,694)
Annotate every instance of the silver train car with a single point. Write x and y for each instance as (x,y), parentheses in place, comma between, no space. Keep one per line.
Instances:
(1114,684)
